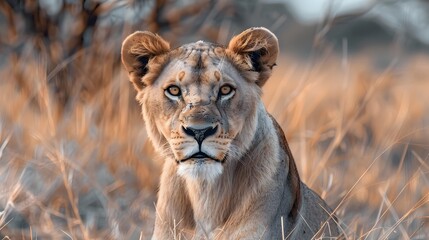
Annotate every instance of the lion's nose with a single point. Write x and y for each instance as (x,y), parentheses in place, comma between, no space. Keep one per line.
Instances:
(200,134)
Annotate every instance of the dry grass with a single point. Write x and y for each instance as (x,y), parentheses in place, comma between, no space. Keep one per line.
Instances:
(359,134)
(360,137)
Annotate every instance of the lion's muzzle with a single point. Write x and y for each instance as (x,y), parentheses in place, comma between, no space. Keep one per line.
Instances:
(201,162)
(200,134)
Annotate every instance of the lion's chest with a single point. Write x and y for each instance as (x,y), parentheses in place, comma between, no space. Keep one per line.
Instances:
(209,204)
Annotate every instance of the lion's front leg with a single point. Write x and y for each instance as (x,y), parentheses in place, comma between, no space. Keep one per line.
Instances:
(257,218)
(248,230)
(173,210)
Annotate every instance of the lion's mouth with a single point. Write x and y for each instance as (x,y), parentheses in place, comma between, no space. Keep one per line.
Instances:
(200,156)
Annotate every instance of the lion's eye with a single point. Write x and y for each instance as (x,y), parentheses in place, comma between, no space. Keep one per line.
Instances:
(226,89)
(173,90)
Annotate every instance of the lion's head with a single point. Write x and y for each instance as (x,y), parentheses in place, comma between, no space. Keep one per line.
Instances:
(200,100)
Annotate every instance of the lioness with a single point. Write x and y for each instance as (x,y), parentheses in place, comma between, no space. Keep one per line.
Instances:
(228,171)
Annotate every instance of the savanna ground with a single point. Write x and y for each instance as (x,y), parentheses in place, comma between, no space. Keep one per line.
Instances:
(75,161)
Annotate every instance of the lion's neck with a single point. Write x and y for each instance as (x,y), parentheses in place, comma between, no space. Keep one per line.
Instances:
(214,202)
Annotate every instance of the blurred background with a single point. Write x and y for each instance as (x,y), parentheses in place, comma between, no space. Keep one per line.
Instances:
(350,91)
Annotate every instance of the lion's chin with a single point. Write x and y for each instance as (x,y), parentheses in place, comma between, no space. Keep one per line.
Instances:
(200,169)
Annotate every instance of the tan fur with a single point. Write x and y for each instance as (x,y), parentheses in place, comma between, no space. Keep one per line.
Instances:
(247,182)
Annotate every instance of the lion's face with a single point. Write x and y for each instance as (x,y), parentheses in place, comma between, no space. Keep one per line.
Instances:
(199,105)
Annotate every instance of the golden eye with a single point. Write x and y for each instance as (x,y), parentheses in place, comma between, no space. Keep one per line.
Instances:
(226,89)
(174,90)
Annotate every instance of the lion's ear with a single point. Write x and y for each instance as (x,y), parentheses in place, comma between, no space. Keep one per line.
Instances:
(259,48)
(137,49)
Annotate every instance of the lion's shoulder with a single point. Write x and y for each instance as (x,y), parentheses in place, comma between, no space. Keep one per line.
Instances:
(293,176)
